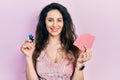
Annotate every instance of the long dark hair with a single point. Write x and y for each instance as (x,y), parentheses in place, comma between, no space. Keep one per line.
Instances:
(67,36)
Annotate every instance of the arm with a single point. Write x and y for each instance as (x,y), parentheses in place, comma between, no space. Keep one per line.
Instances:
(30,70)
(83,57)
(28,48)
(78,74)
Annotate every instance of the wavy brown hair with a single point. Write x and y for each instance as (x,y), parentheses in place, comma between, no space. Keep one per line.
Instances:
(67,36)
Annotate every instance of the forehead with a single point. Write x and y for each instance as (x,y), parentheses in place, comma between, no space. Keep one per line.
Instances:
(54,14)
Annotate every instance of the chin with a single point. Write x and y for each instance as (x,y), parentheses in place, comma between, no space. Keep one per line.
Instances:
(55,35)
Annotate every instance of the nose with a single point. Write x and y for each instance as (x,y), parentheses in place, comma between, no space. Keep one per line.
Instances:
(55,24)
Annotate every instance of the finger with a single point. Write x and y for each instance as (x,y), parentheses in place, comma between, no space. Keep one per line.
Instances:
(80,55)
(88,55)
(84,57)
(28,40)
(85,46)
(84,54)
(28,45)
(80,60)
(33,43)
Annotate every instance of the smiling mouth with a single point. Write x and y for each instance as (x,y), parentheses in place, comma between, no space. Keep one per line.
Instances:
(54,29)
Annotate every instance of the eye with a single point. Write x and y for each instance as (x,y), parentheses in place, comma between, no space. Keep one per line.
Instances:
(50,20)
(59,20)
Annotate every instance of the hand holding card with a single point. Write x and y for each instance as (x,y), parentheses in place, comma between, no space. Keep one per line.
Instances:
(84,39)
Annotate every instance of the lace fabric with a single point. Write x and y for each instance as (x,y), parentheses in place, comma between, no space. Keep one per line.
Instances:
(53,71)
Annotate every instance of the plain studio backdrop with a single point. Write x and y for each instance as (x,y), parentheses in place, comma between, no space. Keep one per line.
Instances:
(18,18)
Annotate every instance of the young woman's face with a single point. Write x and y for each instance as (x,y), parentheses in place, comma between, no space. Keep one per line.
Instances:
(54,22)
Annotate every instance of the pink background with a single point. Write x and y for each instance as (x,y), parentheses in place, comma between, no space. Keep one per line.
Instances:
(101,18)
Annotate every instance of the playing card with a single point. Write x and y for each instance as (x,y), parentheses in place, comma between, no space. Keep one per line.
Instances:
(84,39)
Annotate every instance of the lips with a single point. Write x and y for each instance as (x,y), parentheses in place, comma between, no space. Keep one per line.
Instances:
(54,29)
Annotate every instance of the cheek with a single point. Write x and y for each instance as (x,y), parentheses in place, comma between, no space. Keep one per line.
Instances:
(48,27)
(48,24)
(61,24)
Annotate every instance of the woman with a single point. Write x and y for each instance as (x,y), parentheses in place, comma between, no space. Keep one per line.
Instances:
(52,56)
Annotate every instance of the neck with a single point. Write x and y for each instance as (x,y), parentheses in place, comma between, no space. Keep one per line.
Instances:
(54,40)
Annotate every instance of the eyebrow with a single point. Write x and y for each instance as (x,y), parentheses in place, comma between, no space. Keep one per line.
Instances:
(53,18)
